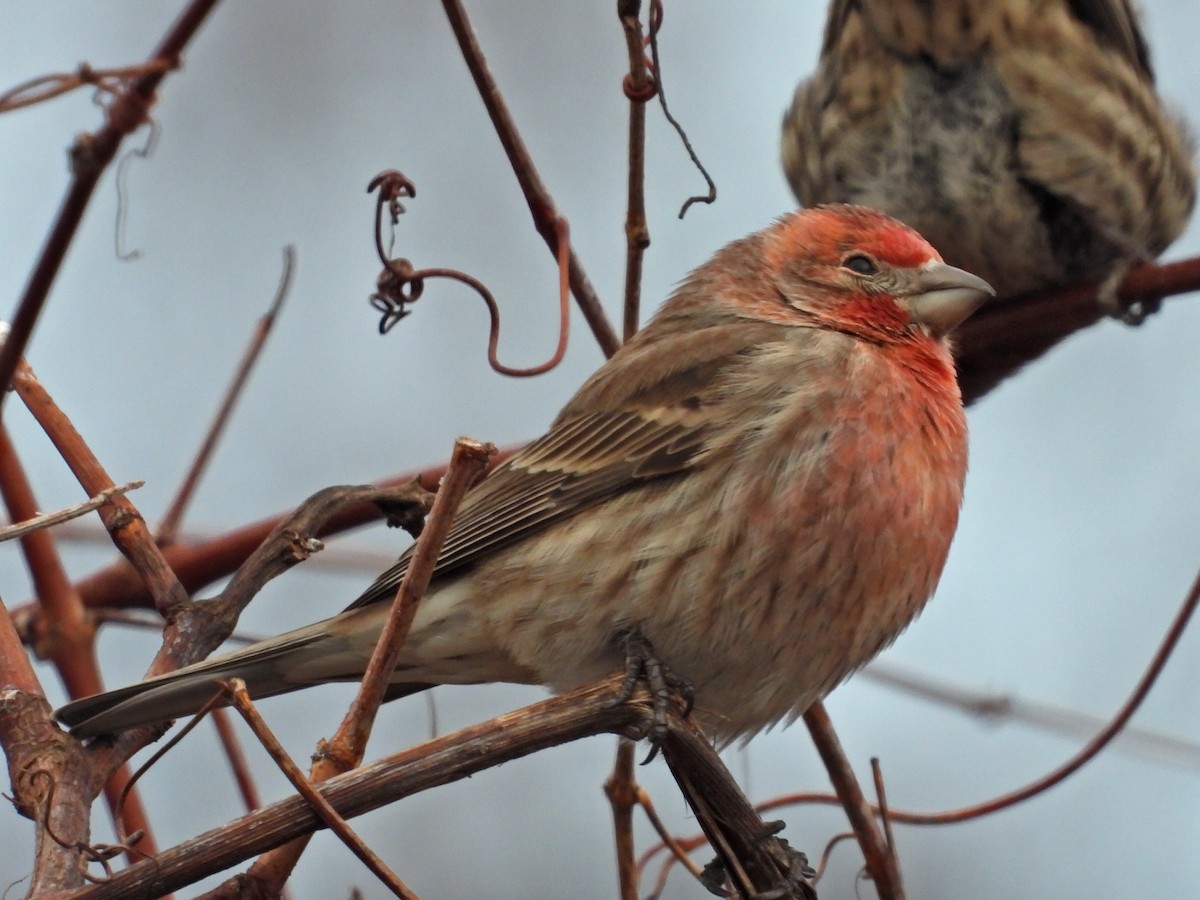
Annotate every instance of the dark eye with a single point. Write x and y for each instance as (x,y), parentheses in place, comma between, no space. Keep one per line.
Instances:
(861,264)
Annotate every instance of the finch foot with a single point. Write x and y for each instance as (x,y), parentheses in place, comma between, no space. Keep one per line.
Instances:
(642,665)
(797,882)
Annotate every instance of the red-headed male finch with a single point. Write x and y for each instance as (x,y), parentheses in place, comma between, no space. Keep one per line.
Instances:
(1023,138)
(762,486)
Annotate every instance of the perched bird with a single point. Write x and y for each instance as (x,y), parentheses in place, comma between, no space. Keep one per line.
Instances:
(1022,138)
(762,484)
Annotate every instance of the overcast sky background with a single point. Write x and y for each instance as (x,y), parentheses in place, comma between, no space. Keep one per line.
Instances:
(1079,532)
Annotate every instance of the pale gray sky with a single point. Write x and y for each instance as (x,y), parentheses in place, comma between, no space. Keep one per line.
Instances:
(1078,538)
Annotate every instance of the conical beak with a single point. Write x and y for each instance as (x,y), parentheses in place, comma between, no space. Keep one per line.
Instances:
(946,296)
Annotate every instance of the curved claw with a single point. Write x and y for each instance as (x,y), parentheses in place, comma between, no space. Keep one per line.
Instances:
(641,664)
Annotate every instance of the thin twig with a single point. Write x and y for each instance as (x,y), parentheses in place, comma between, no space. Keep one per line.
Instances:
(241,701)
(639,87)
(168,529)
(999,708)
(622,792)
(48,520)
(47,87)
(860,813)
(400,284)
(345,750)
(238,763)
(541,204)
(90,156)
(881,805)
(349,743)
(142,152)
(159,752)
(828,852)
(679,852)
(120,516)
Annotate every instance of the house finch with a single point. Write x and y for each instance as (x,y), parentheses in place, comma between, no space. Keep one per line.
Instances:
(1023,138)
(762,484)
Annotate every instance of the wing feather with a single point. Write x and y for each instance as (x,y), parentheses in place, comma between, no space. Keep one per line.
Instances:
(588,457)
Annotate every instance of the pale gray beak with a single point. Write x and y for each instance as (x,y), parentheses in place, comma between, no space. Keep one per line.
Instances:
(946,296)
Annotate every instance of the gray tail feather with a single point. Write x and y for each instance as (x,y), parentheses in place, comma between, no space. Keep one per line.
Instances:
(148,703)
(180,693)
(184,692)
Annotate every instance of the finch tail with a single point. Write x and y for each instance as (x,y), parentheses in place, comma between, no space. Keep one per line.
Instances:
(185,691)
(446,645)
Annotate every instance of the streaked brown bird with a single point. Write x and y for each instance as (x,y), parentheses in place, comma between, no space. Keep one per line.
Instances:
(763,484)
(1022,138)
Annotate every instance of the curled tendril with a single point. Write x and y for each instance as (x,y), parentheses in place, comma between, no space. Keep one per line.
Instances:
(107,81)
(656,17)
(656,21)
(400,284)
(395,287)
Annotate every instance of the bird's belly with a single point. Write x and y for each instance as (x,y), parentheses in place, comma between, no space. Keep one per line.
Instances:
(761,627)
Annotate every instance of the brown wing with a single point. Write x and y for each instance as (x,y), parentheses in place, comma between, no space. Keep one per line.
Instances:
(1114,24)
(653,429)
(835,22)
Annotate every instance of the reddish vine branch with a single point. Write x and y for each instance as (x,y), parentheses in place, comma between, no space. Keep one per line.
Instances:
(400,284)
(1003,337)
(639,87)
(621,789)
(881,862)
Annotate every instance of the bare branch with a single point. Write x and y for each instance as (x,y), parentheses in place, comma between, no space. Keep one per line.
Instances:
(639,87)
(1001,338)
(49,520)
(307,789)
(541,204)
(622,792)
(581,713)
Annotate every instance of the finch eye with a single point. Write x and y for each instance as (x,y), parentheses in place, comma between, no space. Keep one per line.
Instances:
(860,264)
